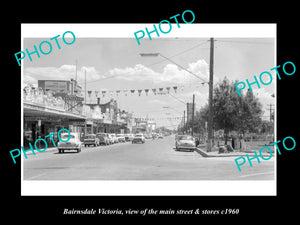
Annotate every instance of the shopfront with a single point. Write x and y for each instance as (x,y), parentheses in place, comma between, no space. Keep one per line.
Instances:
(39,121)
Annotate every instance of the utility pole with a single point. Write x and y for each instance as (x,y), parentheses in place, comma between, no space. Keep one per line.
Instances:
(210,96)
(85,127)
(85,86)
(183,121)
(193,112)
(76,70)
(270,111)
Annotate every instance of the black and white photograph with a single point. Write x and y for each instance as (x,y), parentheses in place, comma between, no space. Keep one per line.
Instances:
(184,108)
(146,111)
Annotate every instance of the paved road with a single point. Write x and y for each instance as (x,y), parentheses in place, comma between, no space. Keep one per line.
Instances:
(154,160)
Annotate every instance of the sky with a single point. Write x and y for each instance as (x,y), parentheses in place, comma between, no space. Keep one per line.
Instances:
(113,64)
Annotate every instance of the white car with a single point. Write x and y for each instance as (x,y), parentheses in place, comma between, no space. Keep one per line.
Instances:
(114,137)
(138,138)
(185,142)
(73,144)
(121,138)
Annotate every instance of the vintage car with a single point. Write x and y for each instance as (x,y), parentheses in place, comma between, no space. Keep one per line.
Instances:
(138,138)
(110,138)
(104,139)
(148,136)
(114,138)
(121,138)
(129,137)
(73,144)
(159,136)
(91,139)
(185,142)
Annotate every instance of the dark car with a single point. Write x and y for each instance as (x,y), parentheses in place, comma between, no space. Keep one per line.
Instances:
(91,139)
(103,139)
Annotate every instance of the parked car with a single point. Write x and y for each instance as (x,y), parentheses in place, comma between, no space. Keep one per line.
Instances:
(138,138)
(148,136)
(160,136)
(121,138)
(111,139)
(185,142)
(73,144)
(91,139)
(103,139)
(114,137)
(129,137)
(154,135)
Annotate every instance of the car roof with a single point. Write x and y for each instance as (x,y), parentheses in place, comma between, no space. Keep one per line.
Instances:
(72,133)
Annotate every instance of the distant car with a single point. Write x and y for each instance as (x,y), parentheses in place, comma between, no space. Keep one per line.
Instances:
(185,142)
(111,139)
(91,139)
(114,138)
(121,138)
(160,136)
(73,144)
(128,137)
(138,138)
(148,136)
(154,135)
(103,139)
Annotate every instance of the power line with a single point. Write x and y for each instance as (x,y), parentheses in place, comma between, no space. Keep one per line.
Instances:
(177,99)
(179,53)
(246,42)
(204,81)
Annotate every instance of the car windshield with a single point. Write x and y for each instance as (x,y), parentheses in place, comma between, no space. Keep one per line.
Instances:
(66,136)
(102,135)
(89,136)
(119,135)
(139,135)
(185,137)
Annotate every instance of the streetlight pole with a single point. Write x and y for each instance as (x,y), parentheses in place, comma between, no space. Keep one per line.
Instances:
(210,96)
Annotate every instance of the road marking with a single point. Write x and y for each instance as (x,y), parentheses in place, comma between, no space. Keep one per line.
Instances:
(255,174)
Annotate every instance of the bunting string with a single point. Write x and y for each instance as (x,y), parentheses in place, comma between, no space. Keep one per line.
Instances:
(140,92)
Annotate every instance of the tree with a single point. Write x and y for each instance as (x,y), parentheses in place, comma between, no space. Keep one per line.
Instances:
(232,112)
(250,111)
(224,107)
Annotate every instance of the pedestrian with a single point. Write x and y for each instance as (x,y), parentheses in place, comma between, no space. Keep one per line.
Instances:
(197,142)
(232,141)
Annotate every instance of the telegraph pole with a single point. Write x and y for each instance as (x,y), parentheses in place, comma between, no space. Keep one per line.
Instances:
(85,86)
(193,112)
(210,97)
(183,121)
(270,111)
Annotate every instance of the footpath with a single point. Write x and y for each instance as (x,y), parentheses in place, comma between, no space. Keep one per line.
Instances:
(202,152)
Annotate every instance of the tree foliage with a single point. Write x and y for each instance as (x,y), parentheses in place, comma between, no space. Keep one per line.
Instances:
(232,112)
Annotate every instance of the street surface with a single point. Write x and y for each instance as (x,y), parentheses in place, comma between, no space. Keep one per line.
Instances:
(154,160)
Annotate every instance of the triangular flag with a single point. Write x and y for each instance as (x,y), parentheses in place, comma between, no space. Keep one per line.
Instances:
(175,89)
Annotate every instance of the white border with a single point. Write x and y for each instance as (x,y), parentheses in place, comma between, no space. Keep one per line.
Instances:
(149,188)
